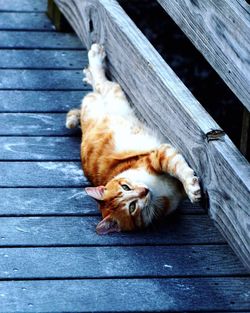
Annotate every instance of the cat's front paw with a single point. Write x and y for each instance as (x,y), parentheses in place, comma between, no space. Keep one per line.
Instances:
(193,189)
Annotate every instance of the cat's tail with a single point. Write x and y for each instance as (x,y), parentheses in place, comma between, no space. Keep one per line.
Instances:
(73,118)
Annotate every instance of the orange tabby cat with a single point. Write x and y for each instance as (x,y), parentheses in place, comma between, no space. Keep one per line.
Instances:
(137,178)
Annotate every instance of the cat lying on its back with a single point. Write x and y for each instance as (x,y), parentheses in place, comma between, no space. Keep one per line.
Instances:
(137,178)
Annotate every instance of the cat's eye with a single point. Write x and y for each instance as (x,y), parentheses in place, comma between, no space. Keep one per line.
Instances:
(126,187)
(132,207)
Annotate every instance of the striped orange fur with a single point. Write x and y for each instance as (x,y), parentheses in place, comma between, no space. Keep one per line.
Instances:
(136,177)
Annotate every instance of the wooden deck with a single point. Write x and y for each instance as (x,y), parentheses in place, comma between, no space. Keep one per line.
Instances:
(51,259)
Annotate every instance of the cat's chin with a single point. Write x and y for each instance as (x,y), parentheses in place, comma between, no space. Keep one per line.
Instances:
(153,210)
(148,211)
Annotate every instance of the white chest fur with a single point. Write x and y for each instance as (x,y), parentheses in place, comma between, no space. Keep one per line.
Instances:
(159,185)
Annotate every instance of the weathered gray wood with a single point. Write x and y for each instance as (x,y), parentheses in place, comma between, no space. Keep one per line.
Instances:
(39,101)
(101,262)
(35,124)
(58,201)
(130,295)
(46,201)
(221,31)
(166,104)
(39,148)
(68,231)
(38,40)
(23,5)
(25,21)
(39,59)
(42,79)
(41,174)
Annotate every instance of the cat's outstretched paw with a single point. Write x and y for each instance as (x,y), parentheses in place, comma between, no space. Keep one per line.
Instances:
(96,55)
(192,188)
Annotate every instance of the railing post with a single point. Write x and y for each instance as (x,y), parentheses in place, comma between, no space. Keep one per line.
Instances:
(57,17)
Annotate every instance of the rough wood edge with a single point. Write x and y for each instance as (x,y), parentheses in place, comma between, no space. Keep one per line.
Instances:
(104,21)
(223,20)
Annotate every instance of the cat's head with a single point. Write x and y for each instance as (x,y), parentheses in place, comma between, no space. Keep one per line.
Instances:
(123,205)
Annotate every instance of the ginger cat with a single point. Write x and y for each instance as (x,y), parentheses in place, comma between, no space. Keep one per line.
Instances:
(137,177)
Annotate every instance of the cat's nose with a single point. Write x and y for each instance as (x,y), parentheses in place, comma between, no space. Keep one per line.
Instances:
(142,192)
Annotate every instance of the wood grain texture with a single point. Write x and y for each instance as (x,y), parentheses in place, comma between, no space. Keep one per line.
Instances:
(68,231)
(41,174)
(220,30)
(87,262)
(173,294)
(38,40)
(46,201)
(40,59)
(39,148)
(25,21)
(35,124)
(23,5)
(42,80)
(167,105)
(39,101)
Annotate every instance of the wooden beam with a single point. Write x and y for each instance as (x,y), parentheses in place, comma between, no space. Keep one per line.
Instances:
(220,30)
(167,105)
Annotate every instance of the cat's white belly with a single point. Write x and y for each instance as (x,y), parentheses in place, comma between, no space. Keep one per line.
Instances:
(129,132)
(131,135)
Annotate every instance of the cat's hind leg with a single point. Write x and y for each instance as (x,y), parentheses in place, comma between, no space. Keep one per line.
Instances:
(95,73)
(73,118)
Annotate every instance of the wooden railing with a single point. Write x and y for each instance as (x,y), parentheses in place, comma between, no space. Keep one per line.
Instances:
(166,104)
(220,30)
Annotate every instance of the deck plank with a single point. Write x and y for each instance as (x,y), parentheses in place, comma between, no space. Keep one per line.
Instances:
(39,40)
(87,262)
(39,148)
(25,21)
(39,101)
(39,59)
(41,174)
(23,5)
(38,80)
(114,295)
(35,124)
(72,231)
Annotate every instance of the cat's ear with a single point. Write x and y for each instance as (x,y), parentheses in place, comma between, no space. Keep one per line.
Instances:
(107,225)
(95,192)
